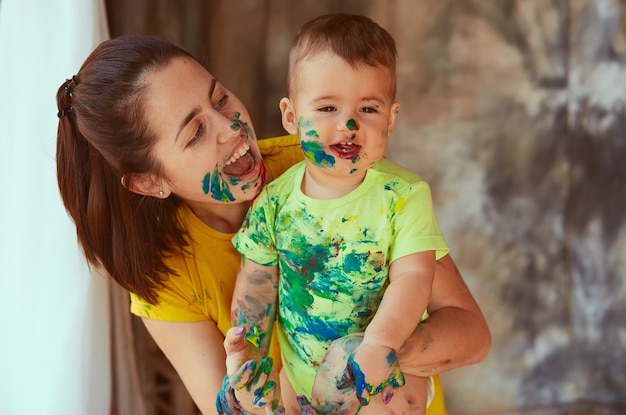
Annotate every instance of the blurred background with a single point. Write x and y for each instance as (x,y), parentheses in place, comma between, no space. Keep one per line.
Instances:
(515,112)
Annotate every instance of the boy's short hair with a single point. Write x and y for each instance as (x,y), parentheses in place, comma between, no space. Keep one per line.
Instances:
(356,39)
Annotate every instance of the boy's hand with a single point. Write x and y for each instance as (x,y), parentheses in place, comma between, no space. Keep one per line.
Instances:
(375,369)
(333,387)
(250,375)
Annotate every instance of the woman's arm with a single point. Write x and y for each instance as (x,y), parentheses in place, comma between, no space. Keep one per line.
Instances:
(455,334)
(197,353)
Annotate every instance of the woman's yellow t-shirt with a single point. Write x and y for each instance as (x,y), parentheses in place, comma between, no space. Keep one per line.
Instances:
(206,272)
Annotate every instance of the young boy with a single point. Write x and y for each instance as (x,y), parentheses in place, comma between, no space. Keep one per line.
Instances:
(345,241)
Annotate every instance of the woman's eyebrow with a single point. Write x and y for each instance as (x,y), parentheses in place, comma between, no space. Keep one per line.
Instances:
(195,111)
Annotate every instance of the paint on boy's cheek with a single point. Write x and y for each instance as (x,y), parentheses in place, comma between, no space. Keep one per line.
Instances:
(218,189)
(313,150)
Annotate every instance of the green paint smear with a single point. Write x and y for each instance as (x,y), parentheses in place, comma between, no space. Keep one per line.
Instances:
(236,123)
(219,190)
(314,152)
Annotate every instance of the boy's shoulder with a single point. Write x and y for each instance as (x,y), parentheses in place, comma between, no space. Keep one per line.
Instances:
(280,153)
(393,170)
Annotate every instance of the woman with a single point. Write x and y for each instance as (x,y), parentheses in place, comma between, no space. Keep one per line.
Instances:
(157,165)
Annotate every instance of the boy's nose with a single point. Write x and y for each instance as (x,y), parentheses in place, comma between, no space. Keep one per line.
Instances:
(350,125)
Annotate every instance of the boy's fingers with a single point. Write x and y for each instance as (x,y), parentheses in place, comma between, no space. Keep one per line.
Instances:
(305,406)
(387,393)
(243,376)
(234,340)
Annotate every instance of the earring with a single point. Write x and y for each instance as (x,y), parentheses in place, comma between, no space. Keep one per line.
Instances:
(161,194)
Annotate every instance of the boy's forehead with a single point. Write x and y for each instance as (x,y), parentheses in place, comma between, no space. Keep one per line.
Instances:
(318,62)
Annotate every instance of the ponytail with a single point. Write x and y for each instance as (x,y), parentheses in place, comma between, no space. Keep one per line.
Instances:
(102,136)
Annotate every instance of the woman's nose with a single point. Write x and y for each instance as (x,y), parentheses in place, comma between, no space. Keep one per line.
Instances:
(230,128)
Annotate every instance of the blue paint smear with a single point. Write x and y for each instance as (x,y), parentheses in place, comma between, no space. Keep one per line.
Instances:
(219,190)
(314,152)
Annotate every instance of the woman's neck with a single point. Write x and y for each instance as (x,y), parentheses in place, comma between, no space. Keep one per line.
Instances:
(226,217)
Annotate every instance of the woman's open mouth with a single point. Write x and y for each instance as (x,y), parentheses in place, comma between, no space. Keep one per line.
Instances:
(241,162)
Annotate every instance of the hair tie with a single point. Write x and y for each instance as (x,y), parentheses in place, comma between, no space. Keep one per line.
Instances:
(68,85)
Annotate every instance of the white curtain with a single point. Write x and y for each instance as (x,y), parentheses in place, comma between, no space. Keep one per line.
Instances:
(54,332)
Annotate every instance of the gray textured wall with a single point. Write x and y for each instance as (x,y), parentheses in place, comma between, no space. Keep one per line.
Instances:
(514,111)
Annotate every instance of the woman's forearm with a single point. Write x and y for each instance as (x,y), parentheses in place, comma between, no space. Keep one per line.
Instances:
(455,334)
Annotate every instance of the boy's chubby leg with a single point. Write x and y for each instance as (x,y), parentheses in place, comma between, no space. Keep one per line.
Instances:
(329,399)
(288,394)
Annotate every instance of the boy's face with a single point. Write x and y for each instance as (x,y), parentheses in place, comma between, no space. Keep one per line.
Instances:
(342,114)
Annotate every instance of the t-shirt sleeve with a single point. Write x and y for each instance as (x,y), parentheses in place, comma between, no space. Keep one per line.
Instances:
(173,305)
(415,226)
(256,240)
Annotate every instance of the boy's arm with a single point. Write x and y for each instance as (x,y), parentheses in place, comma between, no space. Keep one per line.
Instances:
(254,302)
(252,383)
(404,302)
(402,306)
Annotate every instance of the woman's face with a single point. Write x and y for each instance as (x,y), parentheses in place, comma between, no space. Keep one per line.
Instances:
(205,138)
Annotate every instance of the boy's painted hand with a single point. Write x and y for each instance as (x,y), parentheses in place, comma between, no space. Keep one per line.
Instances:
(334,386)
(250,375)
(375,369)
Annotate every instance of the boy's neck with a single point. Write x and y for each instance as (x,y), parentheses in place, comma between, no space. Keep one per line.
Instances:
(318,184)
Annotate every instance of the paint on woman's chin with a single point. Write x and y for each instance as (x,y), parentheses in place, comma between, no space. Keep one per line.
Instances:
(213,184)
(216,186)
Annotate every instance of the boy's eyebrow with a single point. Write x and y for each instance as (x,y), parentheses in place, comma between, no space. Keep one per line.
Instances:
(372,99)
(195,111)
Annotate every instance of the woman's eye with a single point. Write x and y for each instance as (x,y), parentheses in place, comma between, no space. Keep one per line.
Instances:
(221,102)
(196,136)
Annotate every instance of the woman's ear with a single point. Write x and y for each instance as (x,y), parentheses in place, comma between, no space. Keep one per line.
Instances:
(145,184)
(290,124)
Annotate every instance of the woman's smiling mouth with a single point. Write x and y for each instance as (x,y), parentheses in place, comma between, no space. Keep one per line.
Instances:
(241,162)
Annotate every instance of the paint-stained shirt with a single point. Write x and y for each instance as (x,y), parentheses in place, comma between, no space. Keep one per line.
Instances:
(334,255)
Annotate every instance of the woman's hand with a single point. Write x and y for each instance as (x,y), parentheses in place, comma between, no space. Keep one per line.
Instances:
(251,383)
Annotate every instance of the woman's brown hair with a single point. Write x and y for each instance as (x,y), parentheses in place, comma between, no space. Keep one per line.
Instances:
(102,137)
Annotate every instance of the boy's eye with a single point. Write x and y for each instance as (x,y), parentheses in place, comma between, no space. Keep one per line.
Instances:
(326,109)
(370,110)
